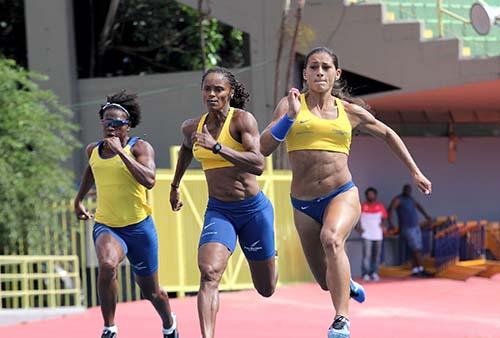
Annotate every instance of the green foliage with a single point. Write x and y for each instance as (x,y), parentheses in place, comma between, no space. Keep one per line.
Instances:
(163,35)
(36,137)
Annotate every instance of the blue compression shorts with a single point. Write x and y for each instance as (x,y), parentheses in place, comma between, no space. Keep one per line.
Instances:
(252,220)
(316,208)
(139,242)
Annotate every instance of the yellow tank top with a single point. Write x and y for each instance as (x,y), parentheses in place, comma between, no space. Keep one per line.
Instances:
(310,132)
(208,159)
(121,200)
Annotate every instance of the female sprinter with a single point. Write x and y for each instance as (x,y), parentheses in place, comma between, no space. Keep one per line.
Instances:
(122,168)
(226,142)
(317,126)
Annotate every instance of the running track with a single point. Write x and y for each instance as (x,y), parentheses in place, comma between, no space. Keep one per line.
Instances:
(409,308)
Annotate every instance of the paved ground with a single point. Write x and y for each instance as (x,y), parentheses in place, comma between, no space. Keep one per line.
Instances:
(408,308)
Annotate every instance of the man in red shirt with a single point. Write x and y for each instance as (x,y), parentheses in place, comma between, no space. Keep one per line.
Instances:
(373,216)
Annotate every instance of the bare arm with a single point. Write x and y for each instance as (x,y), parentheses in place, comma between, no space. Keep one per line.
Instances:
(422,211)
(362,119)
(268,144)
(142,167)
(288,105)
(85,185)
(183,161)
(249,160)
(392,207)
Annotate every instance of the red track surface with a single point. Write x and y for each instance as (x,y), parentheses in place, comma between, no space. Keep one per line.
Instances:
(402,309)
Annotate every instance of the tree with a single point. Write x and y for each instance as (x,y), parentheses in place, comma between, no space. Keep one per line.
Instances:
(12,31)
(36,138)
(150,36)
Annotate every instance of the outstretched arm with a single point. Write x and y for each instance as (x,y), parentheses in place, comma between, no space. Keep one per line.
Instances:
(250,160)
(285,113)
(362,119)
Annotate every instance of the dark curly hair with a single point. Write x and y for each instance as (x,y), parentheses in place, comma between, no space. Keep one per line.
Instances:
(241,95)
(340,88)
(127,101)
(372,189)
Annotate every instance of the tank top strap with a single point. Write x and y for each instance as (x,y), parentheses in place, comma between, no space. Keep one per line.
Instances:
(227,122)
(203,118)
(132,141)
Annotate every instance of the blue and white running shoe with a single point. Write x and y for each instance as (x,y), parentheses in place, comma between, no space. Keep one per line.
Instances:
(357,292)
(339,328)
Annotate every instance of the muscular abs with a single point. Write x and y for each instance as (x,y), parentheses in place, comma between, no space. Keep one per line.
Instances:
(317,172)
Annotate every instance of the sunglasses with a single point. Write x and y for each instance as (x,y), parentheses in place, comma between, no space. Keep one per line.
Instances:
(114,123)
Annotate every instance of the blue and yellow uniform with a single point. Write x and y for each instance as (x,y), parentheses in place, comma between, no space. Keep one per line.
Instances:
(123,211)
(310,132)
(251,219)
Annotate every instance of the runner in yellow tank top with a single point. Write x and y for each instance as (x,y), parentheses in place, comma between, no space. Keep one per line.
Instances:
(122,168)
(226,142)
(325,200)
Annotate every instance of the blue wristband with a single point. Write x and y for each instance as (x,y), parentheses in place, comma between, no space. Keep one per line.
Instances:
(281,128)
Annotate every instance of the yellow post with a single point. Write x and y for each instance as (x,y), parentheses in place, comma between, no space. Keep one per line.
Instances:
(83,257)
(180,243)
(78,300)
(440,18)
(25,287)
(174,156)
(51,278)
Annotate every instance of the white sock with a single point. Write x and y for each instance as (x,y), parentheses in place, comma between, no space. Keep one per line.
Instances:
(113,328)
(415,269)
(420,268)
(173,327)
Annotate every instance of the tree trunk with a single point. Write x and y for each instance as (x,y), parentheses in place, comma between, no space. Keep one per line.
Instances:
(281,157)
(108,24)
(281,42)
(291,61)
(201,18)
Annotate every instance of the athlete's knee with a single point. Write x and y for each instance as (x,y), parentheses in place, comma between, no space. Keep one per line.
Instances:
(210,274)
(267,290)
(332,242)
(154,295)
(108,268)
(323,285)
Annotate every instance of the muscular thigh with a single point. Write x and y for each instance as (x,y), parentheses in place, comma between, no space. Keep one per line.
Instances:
(309,233)
(342,213)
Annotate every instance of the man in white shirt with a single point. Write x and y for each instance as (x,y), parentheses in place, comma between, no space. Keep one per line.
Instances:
(373,215)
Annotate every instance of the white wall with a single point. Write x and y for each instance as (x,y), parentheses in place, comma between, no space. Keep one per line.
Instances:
(468,188)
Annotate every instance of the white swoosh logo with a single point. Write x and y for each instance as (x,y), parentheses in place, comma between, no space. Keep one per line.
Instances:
(304,208)
(208,225)
(254,244)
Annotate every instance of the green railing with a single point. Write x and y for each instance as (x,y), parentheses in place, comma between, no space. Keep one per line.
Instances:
(445,18)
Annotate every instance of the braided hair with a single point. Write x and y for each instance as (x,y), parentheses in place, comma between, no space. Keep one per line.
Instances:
(240,96)
(127,101)
(340,88)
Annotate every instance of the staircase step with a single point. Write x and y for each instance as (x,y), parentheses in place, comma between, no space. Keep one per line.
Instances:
(460,271)
(402,30)
(365,12)
(395,271)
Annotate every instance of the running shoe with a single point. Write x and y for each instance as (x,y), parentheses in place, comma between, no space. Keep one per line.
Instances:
(173,334)
(108,334)
(357,292)
(339,328)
